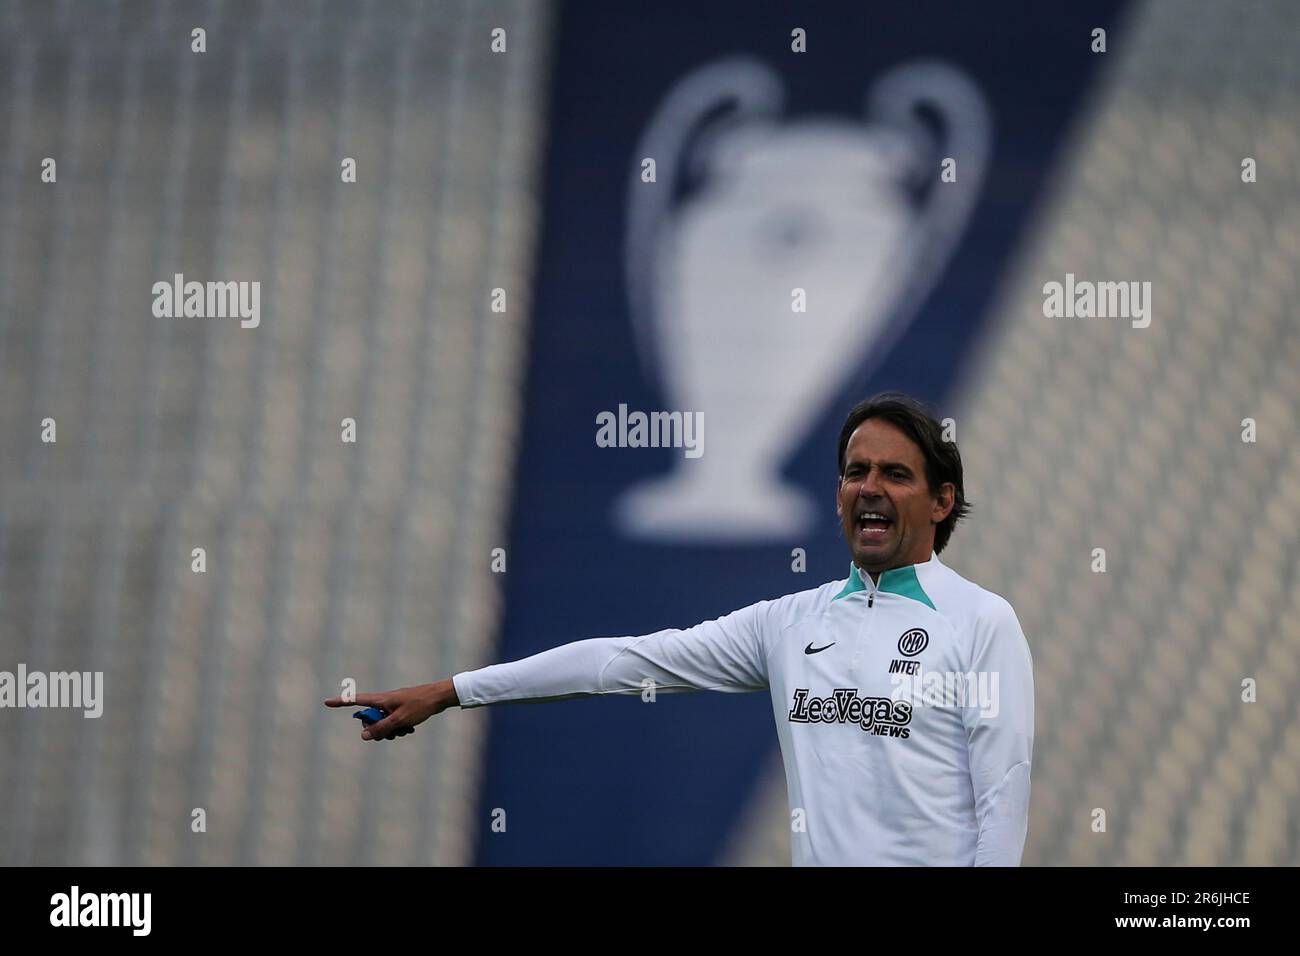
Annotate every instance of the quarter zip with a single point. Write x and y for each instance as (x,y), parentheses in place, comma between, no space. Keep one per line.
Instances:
(866,630)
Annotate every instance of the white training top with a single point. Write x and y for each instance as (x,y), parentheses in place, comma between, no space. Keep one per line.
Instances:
(904,707)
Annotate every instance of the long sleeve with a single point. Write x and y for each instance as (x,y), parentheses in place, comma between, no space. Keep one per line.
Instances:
(726,654)
(1000,738)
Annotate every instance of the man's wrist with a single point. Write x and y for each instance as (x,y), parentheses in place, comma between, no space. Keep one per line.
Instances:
(447,696)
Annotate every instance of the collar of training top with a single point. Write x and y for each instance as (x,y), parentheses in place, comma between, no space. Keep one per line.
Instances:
(902,581)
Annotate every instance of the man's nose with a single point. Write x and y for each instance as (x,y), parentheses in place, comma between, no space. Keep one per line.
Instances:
(870,487)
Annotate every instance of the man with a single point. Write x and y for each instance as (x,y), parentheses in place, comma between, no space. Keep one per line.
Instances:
(903,694)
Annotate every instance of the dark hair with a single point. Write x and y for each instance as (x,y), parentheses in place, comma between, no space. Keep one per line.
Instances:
(942,460)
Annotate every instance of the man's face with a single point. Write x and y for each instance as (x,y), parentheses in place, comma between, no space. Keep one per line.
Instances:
(884,474)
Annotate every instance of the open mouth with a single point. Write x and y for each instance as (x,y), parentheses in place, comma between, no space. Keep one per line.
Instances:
(873,524)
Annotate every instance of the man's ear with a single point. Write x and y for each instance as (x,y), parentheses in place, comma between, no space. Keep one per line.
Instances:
(944,501)
(839,508)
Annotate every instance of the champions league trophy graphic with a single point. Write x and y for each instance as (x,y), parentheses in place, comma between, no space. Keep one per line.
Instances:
(749,207)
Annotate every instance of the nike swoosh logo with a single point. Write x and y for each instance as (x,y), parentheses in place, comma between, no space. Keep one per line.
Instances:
(816,650)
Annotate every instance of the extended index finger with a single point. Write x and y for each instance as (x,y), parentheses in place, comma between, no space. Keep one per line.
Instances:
(361,700)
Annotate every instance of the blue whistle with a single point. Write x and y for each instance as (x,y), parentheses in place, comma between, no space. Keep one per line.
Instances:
(370,715)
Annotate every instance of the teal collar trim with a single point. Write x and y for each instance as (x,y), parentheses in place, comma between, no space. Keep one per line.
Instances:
(905,582)
(853,584)
(902,581)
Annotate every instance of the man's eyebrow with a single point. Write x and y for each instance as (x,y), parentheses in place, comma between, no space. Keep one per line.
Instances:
(883,464)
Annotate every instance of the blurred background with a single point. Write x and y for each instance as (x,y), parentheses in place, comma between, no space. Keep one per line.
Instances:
(507,266)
